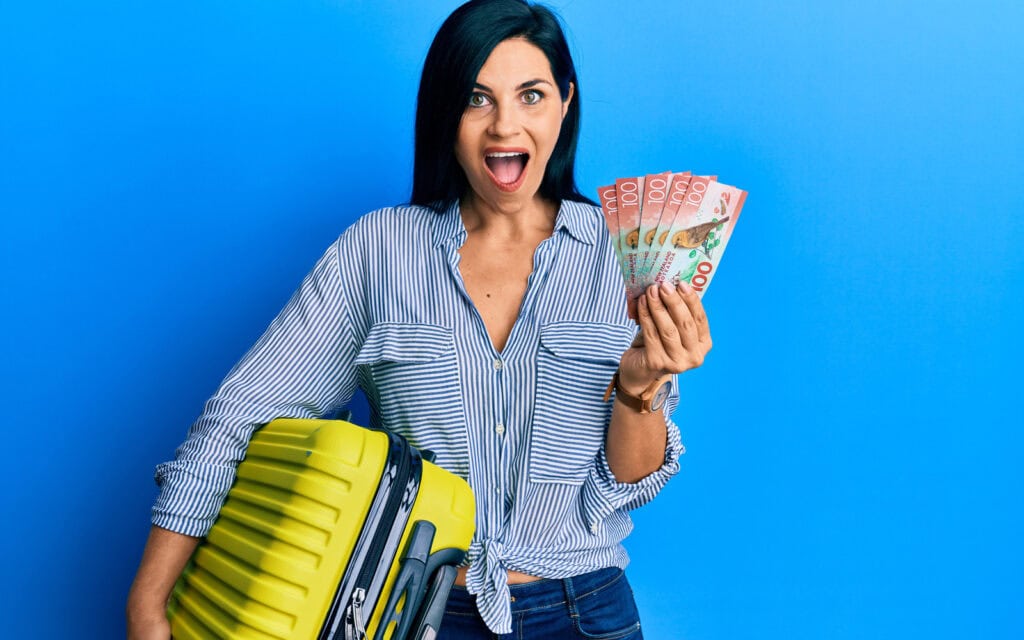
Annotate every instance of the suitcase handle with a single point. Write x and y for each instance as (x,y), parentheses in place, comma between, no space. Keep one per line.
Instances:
(409,581)
(429,620)
(441,566)
(418,563)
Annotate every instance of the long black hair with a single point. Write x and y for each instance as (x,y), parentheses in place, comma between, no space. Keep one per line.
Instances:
(460,48)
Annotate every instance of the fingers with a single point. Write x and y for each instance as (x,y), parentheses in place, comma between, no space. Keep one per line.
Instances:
(663,308)
(674,327)
(700,319)
(675,303)
(655,355)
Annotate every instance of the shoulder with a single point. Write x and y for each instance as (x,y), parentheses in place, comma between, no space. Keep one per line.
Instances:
(387,229)
(586,222)
(585,210)
(384,238)
(387,220)
(583,206)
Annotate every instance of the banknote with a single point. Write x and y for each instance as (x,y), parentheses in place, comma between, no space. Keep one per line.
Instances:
(628,193)
(689,200)
(704,235)
(655,194)
(669,227)
(610,207)
(673,200)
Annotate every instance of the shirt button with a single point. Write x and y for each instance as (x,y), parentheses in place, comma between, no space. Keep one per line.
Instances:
(593,529)
(500,429)
(498,364)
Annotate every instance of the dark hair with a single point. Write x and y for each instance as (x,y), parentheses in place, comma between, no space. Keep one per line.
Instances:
(460,48)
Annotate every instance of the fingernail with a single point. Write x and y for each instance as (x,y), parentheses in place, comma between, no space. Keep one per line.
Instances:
(666,287)
(685,286)
(652,290)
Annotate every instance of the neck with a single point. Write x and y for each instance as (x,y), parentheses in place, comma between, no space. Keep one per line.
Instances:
(511,219)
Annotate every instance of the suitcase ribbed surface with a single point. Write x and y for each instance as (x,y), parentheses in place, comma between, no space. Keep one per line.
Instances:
(273,560)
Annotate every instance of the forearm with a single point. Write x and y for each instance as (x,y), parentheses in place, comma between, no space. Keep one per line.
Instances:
(635,444)
(673,338)
(163,560)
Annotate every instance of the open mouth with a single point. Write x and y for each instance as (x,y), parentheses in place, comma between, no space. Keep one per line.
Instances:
(507,168)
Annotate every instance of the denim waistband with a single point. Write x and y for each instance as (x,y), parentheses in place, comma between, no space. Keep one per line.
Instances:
(541,594)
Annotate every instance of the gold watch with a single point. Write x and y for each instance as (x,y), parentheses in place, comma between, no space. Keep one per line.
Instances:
(650,399)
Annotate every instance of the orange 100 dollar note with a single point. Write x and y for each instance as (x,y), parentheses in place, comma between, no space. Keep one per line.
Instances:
(669,227)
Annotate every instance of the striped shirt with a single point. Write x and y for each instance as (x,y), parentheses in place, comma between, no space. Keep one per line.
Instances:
(385,309)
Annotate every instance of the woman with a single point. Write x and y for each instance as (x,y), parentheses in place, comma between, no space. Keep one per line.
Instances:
(484,321)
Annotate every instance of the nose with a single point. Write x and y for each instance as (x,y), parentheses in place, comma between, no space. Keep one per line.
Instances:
(504,121)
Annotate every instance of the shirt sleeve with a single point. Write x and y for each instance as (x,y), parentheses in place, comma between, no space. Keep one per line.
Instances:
(601,494)
(300,367)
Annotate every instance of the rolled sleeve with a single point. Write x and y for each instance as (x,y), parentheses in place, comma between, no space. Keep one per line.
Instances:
(185,483)
(602,494)
(300,367)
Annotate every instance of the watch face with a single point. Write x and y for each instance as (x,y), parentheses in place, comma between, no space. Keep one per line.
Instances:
(661,395)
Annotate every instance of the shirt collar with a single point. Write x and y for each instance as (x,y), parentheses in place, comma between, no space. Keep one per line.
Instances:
(447,224)
(575,218)
(578,219)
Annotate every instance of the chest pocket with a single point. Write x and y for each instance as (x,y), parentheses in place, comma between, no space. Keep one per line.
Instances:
(575,363)
(414,385)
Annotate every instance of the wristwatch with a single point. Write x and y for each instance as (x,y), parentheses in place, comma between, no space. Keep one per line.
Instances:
(650,399)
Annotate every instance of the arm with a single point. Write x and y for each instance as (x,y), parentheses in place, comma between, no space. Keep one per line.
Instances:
(635,444)
(674,338)
(163,560)
(300,367)
(642,452)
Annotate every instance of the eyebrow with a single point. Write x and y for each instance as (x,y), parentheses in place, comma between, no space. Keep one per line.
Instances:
(526,85)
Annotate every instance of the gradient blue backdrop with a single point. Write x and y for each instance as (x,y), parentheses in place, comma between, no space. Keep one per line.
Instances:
(169,172)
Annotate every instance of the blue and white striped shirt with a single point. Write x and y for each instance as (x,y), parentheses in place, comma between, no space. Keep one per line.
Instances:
(385,309)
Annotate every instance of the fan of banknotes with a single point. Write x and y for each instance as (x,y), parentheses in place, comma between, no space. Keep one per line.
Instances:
(669,226)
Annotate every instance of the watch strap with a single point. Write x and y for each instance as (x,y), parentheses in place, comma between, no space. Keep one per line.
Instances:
(636,403)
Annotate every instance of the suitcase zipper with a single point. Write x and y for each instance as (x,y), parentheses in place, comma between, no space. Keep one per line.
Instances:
(354,627)
(398,486)
(400,492)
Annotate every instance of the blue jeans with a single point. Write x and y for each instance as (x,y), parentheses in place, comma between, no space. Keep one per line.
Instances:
(595,606)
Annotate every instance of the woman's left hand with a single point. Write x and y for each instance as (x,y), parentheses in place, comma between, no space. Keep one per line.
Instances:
(674,336)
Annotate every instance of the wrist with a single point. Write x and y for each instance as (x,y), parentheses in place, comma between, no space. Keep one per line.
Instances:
(635,386)
(640,396)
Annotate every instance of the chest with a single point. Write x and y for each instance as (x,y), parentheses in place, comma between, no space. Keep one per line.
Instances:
(495,276)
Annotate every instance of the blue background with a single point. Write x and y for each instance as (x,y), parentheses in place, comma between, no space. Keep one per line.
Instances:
(170,171)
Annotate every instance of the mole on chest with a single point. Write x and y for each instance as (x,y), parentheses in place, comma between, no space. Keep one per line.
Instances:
(497,292)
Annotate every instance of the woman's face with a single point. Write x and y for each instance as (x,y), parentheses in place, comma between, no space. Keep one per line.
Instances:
(511,125)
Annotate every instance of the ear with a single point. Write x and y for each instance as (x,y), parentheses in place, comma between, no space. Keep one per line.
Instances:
(568,99)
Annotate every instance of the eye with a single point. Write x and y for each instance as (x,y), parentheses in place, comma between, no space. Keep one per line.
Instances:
(477,99)
(532,96)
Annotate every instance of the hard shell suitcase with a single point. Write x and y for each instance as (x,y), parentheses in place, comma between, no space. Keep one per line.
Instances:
(330,531)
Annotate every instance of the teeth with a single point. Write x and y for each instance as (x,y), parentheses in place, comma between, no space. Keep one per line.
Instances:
(505,154)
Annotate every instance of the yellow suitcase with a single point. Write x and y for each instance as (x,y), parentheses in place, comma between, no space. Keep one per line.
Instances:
(330,531)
